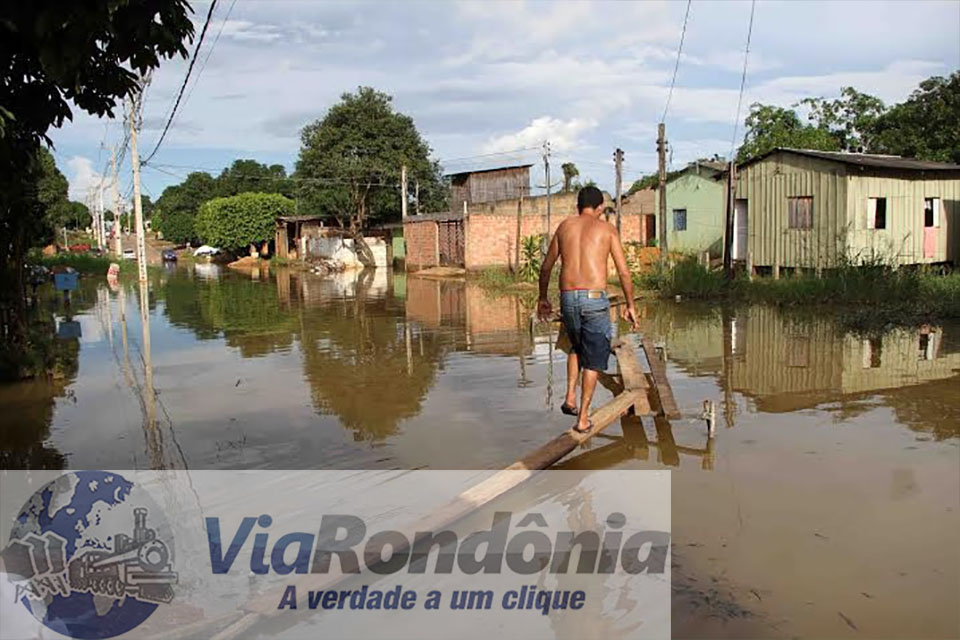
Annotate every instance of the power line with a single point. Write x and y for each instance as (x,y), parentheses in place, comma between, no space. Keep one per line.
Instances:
(488,155)
(213,46)
(743,79)
(676,67)
(186,79)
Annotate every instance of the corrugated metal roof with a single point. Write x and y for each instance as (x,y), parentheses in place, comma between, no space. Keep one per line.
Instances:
(510,166)
(864,160)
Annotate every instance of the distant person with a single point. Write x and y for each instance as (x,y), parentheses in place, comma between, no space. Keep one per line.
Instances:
(583,244)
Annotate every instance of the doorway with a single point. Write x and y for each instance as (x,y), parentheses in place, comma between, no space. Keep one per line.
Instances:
(740,222)
(931,227)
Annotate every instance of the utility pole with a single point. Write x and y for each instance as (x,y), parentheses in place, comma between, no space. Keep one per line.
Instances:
(516,245)
(102,227)
(546,171)
(618,161)
(403,192)
(137,207)
(728,220)
(662,162)
(416,194)
(117,241)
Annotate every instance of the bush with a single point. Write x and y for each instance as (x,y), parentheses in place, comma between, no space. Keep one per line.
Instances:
(176,226)
(238,221)
(530,258)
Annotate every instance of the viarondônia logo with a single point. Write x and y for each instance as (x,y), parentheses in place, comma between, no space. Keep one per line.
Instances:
(90,555)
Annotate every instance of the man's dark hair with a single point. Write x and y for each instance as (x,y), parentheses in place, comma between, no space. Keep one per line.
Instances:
(589,197)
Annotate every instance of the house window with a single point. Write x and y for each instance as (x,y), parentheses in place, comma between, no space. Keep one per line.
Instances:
(679,219)
(931,212)
(876,213)
(800,212)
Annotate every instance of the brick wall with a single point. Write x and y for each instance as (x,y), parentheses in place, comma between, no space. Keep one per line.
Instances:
(421,244)
(492,227)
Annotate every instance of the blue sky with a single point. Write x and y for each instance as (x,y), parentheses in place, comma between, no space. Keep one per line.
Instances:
(493,77)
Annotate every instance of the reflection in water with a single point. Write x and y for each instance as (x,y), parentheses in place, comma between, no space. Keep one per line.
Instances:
(839,439)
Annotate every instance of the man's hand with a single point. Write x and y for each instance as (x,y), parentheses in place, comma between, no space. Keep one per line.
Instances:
(630,315)
(544,309)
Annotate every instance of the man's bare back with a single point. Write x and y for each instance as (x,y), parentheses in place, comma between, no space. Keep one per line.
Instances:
(584,243)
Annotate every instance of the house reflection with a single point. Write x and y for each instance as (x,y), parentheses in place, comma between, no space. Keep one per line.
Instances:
(786,363)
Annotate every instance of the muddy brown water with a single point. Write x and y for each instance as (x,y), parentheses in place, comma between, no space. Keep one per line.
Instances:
(827,505)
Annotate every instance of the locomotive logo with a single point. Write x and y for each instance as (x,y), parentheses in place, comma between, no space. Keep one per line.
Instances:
(77,568)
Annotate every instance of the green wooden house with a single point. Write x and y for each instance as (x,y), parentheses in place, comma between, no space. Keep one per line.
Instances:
(695,200)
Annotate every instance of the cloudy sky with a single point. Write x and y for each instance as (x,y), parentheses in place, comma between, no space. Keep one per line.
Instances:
(482,80)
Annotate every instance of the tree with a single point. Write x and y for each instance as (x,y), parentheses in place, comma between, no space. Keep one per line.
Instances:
(350,160)
(89,53)
(238,221)
(926,125)
(245,176)
(78,215)
(850,119)
(176,209)
(769,127)
(570,172)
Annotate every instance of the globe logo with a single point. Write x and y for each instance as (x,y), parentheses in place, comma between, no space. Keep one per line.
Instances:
(90,555)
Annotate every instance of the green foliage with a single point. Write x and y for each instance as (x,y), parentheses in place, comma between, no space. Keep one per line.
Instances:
(238,221)
(570,172)
(82,262)
(176,209)
(869,289)
(530,257)
(246,176)
(651,181)
(926,125)
(90,53)
(850,119)
(350,162)
(77,216)
(769,127)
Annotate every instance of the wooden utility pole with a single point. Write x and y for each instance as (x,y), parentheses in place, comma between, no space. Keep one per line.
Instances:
(546,171)
(403,192)
(137,207)
(102,225)
(728,229)
(516,247)
(117,229)
(416,194)
(618,161)
(662,164)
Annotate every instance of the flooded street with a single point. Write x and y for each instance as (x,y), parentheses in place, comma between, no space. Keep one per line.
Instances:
(827,505)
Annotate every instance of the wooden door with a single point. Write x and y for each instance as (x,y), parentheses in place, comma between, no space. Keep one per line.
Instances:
(451,242)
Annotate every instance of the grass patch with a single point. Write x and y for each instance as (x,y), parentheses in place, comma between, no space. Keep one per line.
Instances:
(82,262)
(867,295)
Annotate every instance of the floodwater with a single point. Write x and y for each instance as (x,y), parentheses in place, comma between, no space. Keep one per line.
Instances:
(827,505)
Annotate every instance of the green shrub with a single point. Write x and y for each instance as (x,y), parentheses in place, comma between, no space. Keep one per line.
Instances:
(530,257)
(238,221)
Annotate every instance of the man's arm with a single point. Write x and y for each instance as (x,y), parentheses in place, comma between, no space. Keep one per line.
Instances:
(626,281)
(544,307)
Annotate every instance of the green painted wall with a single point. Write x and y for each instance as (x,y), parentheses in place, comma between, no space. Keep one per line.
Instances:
(399,248)
(702,196)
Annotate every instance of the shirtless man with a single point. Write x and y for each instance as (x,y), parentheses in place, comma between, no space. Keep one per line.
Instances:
(583,244)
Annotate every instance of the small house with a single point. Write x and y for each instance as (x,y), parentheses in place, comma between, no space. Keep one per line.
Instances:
(802,209)
(488,185)
(695,209)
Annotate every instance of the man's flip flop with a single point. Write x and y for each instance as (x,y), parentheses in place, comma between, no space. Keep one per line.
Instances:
(587,430)
(568,410)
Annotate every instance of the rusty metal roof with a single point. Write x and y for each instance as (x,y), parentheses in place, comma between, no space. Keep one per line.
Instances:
(864,160)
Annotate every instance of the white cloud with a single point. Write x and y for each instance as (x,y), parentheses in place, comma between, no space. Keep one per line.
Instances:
(83,179)
(251,31)
(564,135)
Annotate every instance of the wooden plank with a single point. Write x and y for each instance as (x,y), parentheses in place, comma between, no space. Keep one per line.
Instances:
(658,370)
(628,366)
(571,439)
